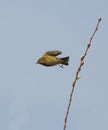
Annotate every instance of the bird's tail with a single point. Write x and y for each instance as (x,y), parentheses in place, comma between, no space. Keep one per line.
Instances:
(65,60)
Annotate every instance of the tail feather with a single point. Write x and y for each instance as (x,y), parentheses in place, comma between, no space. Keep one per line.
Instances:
(65,60)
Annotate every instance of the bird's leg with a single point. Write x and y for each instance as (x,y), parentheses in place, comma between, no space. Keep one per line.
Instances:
(61,66)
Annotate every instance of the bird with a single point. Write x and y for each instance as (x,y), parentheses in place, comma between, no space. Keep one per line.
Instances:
(50,58)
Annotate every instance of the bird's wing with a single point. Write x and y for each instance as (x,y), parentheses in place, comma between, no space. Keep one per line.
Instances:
(53,53)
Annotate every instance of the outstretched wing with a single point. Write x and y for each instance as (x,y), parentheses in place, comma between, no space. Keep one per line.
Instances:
(53,53)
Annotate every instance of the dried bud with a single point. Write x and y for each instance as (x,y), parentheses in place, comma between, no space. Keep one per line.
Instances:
(99,19)
(89,45)
(82,58)
(78,77)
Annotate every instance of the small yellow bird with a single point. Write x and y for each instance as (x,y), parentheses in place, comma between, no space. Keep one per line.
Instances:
(50,59)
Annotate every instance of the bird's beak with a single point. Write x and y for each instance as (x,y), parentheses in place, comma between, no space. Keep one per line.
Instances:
(37,62)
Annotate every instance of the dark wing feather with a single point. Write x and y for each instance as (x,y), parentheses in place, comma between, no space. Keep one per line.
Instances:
(53,53)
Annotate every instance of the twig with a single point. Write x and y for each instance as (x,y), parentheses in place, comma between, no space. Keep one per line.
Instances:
(77,73)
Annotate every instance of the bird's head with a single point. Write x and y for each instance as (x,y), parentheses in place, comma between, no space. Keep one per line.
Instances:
(40,61)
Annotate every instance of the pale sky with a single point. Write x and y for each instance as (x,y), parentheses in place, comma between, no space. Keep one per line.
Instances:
(34,97)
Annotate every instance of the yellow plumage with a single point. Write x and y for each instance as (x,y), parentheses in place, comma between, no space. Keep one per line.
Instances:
(50,59)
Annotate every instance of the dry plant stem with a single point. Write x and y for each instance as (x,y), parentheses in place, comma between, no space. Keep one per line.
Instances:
(77,73)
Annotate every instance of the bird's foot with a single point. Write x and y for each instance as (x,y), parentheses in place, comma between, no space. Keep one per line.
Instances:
(61,66)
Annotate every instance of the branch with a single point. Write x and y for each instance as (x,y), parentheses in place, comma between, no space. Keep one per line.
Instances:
(77,73)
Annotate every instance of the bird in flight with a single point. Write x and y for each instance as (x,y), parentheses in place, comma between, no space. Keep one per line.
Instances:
(50,59)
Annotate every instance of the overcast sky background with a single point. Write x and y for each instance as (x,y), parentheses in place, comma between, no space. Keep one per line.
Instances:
(34,97)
